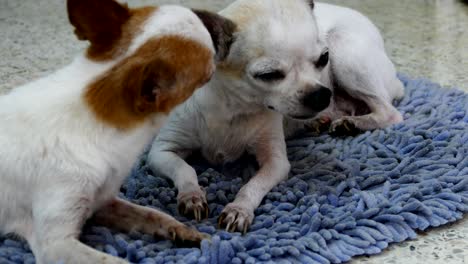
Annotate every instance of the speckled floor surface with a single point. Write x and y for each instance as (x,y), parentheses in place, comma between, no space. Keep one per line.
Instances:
(425,38)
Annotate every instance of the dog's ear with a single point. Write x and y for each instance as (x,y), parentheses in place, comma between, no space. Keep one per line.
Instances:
(149,84)
(98,21)
(131,91)
(221,30)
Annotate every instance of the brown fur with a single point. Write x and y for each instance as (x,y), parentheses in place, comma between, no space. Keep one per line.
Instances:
(161,74)
(110,33)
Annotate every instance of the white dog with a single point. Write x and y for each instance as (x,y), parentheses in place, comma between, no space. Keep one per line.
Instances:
(67,141)
(286,59)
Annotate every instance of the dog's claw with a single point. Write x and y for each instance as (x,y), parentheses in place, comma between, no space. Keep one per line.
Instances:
(228,227)
(235,218)
(183,235)
(245,228)
(193,205)
(196,213)
(221,219)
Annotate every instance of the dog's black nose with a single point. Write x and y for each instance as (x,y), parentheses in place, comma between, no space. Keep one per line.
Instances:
(318,100)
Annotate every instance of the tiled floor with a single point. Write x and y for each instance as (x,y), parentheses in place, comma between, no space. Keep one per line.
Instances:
(425,38)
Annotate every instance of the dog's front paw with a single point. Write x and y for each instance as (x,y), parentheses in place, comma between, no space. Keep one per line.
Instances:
(235,218)
(318,126)
(344,127)
(185,236)
(193,205)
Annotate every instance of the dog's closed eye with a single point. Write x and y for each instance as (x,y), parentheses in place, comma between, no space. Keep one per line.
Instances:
(270,76)
(323,59)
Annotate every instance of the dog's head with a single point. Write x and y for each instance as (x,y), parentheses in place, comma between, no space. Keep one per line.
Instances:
(159,56)
(278,58)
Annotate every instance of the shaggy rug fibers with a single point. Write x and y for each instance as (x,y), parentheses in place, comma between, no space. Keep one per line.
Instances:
(344,197)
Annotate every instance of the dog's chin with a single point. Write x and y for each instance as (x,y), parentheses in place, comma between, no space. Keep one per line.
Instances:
(302,117)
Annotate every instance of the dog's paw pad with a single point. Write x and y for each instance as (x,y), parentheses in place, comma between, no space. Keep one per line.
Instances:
(235,218)
(185,236)
(193,205)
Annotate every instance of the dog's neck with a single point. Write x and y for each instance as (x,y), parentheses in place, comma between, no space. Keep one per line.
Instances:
(61,96)
(64,92)
(76,76)
(224,95)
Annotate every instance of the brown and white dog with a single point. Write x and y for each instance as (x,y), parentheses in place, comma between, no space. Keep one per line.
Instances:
(68,140)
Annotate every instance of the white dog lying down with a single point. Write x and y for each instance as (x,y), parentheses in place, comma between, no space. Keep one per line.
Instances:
(67,141)
(285,61)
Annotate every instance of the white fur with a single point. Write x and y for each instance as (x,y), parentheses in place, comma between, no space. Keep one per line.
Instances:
(360,66)
(173,20)
(59,163)
(230,115)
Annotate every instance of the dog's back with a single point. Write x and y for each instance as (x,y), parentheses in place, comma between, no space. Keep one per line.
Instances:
(47,132)
(356,41)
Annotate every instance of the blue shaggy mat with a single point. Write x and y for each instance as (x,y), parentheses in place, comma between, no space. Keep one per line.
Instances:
(345,197)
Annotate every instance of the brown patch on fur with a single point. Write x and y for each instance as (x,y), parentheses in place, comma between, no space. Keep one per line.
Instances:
(107,25)
(161,74)
(231,71)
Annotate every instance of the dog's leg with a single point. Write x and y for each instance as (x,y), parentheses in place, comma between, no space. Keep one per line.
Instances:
(274,167)
(383,114)
(316,126)
(191,199)
(126,217)
(57,220)
(360,67)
